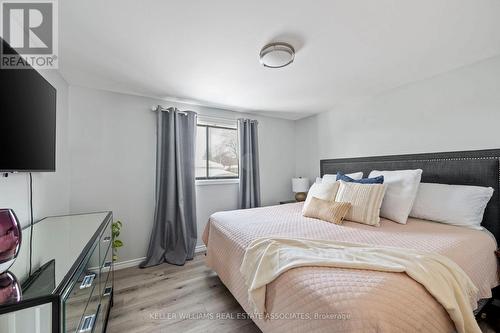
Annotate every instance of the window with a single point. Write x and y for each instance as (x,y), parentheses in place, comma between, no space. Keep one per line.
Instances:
(216,152)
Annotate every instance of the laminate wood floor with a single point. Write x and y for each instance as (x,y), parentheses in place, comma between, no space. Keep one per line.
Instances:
(167,298)
(187,299)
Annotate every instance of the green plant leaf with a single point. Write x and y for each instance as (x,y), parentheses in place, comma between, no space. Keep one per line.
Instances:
(115,232)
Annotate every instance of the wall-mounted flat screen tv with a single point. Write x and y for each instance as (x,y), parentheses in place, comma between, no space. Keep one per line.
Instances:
(27,120)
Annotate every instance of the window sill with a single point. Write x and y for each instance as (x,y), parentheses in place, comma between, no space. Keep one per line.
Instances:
(203,182)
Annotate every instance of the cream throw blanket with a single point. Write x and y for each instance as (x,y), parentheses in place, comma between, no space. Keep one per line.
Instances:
(266,258)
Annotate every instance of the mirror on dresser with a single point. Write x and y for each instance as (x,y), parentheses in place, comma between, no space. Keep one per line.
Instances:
(70,288)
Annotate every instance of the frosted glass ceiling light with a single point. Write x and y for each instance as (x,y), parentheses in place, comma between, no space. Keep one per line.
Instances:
(277,55)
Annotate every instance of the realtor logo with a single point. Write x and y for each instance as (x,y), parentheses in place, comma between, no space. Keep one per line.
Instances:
(30,28)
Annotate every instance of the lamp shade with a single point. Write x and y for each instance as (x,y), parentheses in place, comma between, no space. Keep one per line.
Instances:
(300,185)
(10,238)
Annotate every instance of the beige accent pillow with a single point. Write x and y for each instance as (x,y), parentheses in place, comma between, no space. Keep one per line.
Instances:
(325,210)
(324,191)
(366,200)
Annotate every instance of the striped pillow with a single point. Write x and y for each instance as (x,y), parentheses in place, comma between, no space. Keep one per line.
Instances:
(366,200)
(325,210)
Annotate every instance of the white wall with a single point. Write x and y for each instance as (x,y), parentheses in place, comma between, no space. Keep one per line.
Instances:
(113,144)
(50,190)
(306,144)
(106,145)
(458,110)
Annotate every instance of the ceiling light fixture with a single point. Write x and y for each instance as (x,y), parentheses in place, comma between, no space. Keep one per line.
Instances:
(277,55)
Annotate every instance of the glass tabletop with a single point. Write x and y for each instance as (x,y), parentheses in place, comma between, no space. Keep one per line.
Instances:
(57,243)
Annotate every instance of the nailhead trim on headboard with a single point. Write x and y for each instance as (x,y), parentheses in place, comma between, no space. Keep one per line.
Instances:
(490,154)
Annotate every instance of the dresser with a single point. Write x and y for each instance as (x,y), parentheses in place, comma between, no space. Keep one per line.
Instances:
(70,288)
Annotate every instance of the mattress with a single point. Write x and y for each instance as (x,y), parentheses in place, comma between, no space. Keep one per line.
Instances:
(320,299)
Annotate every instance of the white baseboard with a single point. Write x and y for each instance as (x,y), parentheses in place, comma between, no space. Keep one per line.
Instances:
(128,263)
(135,262)
(200,249)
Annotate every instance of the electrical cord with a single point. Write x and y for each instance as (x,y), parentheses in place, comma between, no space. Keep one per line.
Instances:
(31,223)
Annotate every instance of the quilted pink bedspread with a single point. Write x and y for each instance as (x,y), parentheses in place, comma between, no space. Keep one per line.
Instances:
(316,299)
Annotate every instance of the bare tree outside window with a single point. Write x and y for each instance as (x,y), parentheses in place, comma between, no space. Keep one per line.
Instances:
(217,152)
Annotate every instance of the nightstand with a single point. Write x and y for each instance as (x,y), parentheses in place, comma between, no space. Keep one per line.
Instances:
(287,202)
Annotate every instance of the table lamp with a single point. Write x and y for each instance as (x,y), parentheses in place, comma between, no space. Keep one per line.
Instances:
(300,186)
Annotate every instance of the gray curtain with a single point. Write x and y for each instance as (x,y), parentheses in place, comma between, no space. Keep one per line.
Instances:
(173,238)
(249,194)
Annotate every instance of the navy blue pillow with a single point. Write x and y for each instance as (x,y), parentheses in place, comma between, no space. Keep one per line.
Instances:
(375,180)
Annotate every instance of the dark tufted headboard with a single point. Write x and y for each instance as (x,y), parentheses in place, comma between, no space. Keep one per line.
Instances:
(477,167)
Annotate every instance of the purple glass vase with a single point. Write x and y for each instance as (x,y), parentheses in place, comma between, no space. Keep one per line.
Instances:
(10,291)
(10,238)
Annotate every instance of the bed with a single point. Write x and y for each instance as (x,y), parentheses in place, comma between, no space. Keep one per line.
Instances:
(314,299)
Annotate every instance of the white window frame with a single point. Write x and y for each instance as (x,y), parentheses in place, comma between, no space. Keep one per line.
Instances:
(223,123)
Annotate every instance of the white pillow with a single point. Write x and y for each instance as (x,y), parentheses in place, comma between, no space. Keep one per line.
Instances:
(330,178)
(324,191)
(318,180)
(460,205)
(402,187)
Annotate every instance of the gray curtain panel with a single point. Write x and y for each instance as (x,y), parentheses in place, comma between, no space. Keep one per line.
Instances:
(249,194)
(173,239)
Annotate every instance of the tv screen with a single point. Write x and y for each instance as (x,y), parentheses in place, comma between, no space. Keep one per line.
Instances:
(27,120)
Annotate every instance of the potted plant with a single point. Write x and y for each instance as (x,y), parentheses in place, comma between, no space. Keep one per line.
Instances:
(117,243)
